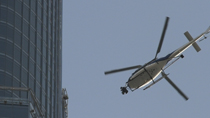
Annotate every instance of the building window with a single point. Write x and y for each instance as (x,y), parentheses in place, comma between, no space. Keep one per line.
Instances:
(25,44)
(48,90)
(39,26)
(45,19)
(11,4)
(48,107)
(44,31)
(44,49)
(53,84)
(38,58)
(53,99)
(43,82)
(33,5)
(2,78)
(49,58)
(49,44)
(2,45)
(26,2)
(14,111)
(32,67)
(38,42)
(18,22)
(17,54)
(3,15)
(38,91)
(8,80)
(26,12)
(16,83)
(32,35)
(31,82)
(4,2)
(25,28)
(17,39)
(33,19)
(9,49)
(32,51)
(49,75)
(43,98)
(10,17)
(2,62)
(39,10)
(24,76)
(3,32)
(16,71)
(44,66)
(9,67)
(25,60)
(18,6)
(45,4)
(10,33)
(38,74)
(24,94)
(8,93)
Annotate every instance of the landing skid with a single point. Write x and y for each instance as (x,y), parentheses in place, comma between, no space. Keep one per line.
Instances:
(181,56)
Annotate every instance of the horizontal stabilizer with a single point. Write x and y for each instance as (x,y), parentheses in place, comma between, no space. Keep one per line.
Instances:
(189,37)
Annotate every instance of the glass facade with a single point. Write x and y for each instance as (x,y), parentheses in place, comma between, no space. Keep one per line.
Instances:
(14,111)
(30,58)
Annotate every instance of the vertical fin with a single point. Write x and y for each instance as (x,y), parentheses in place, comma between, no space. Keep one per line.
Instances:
(189,37)
(207,31)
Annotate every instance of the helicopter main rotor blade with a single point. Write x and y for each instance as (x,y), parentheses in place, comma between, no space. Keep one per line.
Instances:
(162,36)
(122,69)
(175,87)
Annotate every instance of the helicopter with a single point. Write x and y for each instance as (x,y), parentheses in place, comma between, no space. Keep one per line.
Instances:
(147,73)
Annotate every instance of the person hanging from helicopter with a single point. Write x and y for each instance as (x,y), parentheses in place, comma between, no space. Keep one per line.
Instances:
(124,90)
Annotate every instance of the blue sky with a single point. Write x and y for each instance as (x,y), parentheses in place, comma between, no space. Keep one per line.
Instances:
(101,35)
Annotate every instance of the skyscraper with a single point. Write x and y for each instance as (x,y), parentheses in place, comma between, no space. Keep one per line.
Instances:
(31,59)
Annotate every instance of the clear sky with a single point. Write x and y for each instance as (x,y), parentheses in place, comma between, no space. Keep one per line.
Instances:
(101,35)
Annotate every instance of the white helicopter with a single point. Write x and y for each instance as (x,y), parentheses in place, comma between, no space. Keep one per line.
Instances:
(148,72)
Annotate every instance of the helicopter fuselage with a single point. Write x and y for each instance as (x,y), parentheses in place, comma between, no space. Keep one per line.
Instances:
(151,70)
(147,73)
